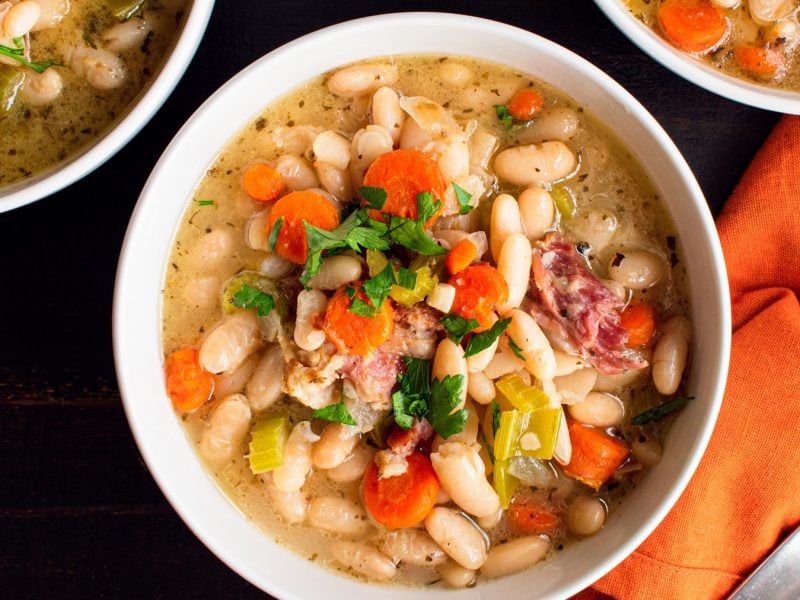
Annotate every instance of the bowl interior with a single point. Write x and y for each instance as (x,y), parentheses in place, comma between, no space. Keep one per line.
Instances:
(134,117)
(137,297)
(695,71)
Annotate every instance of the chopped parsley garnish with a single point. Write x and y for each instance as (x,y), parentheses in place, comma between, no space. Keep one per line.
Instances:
(481,341)
(406,278)
(361,308)
(445,397)
(515,349)
(249,297)
(457,327)
(18,54)
(206,203)
(464,199)
(495,417)
(337,413)
(659,412)
(375,196)
(273,234)
(505,118)
(376,290)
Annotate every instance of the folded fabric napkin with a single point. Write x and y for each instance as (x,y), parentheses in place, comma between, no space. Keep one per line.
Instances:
(744,498)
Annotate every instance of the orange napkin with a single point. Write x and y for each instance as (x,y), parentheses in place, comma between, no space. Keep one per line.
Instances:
(744,498)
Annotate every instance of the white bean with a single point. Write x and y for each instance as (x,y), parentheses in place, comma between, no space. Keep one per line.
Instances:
(785,32)
(338,515)
(765,12)
(454,73)
(412,135)
(292,506)
(211,250)
(103,70)
(454,159)
(613,382)
(726,3)
(537,212)
(367,145)
(334,445)
(515,555)
(586,515)
(542,163)
(364,559)
(491,521)
(297,464)
(458,536)
(42,88)
(310,303)
(332,148)
(442,296)
(616,288)
(387,113)
(229,344)
(468,435)
(201,292)
(646,450)
(456,576)
(21,18)
(296,140)
(264,386)
(449,360)
(480,388)
(256,235)
(575,386)
(596,228)
(335,181)
(335,272)
(462,475)
(670,354)
(598,409)
(503,363)
(354,466)
(359,80)
(127,34)
(226,384)
(296,173)
(567,363)
(514,264)
(505,221)
(276,267)
(539,358)
(413,547)
(559,123)
(52,13)
(637,269)
(227,428)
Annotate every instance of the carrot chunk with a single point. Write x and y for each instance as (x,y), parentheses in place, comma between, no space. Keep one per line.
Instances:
(595,455)
(356,333)
(525,104)
(404,174)
(461,256)
(189,386)
(533,514)
(759,61)
(640,321)
(478,289)
(262,183)
(294,208)
(692,25)
(404,500)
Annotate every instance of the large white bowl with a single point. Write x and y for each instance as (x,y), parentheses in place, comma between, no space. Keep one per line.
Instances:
(137,302)
(696,71)
(136,115)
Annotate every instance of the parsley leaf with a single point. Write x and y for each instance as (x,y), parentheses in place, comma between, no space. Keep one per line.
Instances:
(406,278)
(411,234)
(273,235)
(417,377)
(361,308)
(515,349)
(659,412)
(445,397)
(489,449)
(377,288)
(18,54)
(249,297)
(464,199)
(337,413)
(503,115)
(206,203)
(375,196)
(457,327)
(481,341)
(426,207)
(495,417)
(412,398)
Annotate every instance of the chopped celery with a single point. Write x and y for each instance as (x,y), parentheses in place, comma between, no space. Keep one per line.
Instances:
(506,440)
(424,286)
(564,202)
(376,262)
(124,9)
(434,263)
(524,397)
(504,483)
(255,280)
(11,79)
(544,424)
(267,444)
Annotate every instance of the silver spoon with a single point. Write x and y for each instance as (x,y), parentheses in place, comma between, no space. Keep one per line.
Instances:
(777,577)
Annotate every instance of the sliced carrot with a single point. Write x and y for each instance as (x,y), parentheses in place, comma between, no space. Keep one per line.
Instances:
(263,183)
(595,455)
(354,333)
(404,174)
(760,61)
(640,320)
(525,104)
(404,500)
(189,386)
(692,25)
(478,289)
(294,208)
(461,256)
(534,514)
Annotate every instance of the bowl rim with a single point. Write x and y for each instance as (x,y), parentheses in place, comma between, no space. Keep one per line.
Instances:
(694,71)
(123,330)
(138,114)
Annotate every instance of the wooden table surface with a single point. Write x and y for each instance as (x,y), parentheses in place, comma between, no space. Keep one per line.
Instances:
(80,516)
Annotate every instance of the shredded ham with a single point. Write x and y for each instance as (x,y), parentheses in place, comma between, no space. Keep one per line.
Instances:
(402,443)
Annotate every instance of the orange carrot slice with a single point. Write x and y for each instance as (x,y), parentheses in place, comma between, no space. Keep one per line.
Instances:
(692,25)
(461,256)
(478,289)
(595,455)
(640,321)
(294,208)
(354,333)
(760,61)
(189,386)
(262,183)
(525,104)
(534,515)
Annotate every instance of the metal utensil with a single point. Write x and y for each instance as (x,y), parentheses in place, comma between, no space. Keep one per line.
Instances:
(777,577)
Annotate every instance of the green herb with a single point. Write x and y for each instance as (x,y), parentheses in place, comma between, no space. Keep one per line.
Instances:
(505,118)
(375,196)
(337,413)
(564,202)
(407,278)
(489,449)
(18,54)
(411,399)
(207,203)
(124,9)
(659,412)
(377,288)
(249,297)
(445,397)
(411,234)
(515,349)
(481,341)
(464,199)
(457,327)
(361,308)
(426,207)
(19,43)
(273,234)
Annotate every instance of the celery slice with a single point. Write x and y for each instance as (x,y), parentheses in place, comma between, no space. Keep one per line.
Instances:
(11,79)
(506,440)
(544,424)
(564,202)
(424,286)
(504,482)
(124,9)
(376,262)
(523,397)
(267,444)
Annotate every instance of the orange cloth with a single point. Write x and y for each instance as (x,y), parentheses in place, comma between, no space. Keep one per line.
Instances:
(744,498)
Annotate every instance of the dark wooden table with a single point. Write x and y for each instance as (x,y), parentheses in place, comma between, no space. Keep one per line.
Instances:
(80,516)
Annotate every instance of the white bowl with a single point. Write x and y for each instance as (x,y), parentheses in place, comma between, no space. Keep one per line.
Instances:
(137,302)
(137,114)
(696,71)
